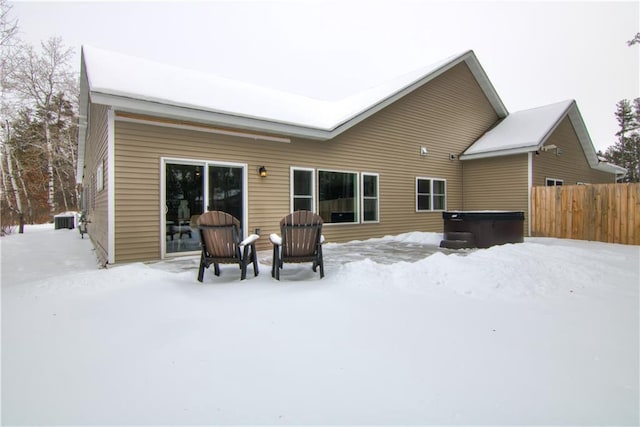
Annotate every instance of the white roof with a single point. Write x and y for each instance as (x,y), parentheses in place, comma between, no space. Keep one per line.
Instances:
(115,74)
(139,85)
(521,131)
(526,131)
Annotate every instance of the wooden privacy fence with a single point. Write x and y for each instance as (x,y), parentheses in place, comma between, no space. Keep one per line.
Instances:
(602,212)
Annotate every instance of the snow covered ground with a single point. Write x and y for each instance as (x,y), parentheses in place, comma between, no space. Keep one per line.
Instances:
(544,332)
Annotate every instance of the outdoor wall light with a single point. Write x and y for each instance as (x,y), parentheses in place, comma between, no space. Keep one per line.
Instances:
(550,147)
(546,148)
(262,171)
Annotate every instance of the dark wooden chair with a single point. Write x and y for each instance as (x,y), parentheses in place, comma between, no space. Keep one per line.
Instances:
(221,244)
(300,241)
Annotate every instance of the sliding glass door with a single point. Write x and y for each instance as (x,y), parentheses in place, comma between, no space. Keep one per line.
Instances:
(225,190)
(191,188)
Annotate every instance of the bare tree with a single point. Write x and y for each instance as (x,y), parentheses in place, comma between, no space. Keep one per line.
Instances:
(10,192)
(8,25)
(41,79)
(635,40)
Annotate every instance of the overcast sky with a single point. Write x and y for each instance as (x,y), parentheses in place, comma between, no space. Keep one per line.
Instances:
(535,53)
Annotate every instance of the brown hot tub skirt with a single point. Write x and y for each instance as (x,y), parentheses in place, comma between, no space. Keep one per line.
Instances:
(482,229)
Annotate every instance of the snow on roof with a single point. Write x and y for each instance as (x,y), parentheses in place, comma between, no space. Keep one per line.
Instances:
(142,86)
(122,80)
(112,73)
(521,131)
(116,74)
(527,130)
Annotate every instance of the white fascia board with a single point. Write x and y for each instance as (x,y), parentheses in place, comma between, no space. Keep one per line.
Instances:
(499,153)
(555,125)
(611,168)
(473,64)
(83,112)
(360,117)
(125,104)
(121,102)
(487,87)
(583,136)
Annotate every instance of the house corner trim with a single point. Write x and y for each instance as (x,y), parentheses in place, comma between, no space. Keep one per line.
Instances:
(111,209)
(529,188)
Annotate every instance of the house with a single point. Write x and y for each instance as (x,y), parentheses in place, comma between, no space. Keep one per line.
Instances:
(159,144)
(542,146)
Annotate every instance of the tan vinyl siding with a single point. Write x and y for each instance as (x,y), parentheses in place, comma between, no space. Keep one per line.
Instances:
(497,183)
(571,165)
(96,154)
(446,115)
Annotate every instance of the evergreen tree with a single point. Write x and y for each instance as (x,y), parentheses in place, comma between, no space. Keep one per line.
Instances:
(626,150)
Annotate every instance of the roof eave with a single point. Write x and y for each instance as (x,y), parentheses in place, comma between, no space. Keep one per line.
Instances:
(83,107)
(123,102)
(487,87)
(611,168)
(579,127)
(583,135)
(499,153)
(138,106)
(472,62)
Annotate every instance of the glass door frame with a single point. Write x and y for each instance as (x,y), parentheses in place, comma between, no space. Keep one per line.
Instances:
(205,191)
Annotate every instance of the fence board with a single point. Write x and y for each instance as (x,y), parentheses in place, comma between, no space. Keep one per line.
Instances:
(602,212)
(634,208)
(576,214)
(624,203)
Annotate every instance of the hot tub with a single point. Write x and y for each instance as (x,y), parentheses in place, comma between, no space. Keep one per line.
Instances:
(482,229)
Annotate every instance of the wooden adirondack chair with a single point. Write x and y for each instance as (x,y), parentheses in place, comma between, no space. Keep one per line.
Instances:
(221,244)
(300,241)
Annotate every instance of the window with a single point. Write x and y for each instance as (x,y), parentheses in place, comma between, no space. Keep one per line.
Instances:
(338,196)
(100,177)
(550,182)
(431,194)
(370,197)
(302,186)
(342,197)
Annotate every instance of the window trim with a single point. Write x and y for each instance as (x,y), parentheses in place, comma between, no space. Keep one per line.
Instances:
(205,165)
(431,194)
(356,196)
(554,180)
(313,186)
(363,197)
